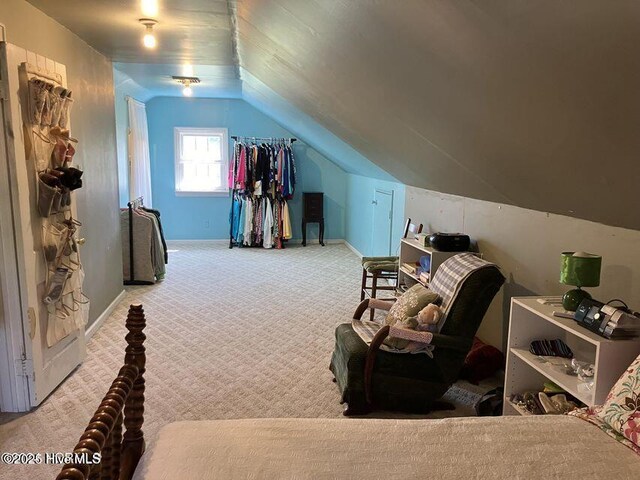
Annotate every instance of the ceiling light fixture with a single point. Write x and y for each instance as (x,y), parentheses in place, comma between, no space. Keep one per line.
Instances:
(149,39)
(187,70)
(149,7)
(186,82)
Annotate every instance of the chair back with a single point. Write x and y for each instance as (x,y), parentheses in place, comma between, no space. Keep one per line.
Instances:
(468,307)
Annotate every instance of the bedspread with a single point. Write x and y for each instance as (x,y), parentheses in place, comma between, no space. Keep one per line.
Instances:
(533,447)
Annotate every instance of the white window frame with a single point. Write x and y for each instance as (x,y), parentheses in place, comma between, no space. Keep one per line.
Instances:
(178,132)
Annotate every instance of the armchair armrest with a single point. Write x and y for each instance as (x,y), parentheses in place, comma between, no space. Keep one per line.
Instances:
(372,303)
(453,342)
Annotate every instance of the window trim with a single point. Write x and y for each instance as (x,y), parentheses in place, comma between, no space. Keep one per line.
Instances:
(178,132)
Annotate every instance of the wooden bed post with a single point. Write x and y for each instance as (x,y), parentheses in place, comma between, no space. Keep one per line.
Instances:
(119,456)
(133,444)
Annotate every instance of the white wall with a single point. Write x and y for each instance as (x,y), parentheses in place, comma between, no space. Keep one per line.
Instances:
(526,244)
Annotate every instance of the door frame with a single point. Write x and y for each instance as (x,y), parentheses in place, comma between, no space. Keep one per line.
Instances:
(374,203)
(15,395)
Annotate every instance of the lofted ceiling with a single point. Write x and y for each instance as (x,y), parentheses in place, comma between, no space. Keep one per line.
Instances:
(529,102)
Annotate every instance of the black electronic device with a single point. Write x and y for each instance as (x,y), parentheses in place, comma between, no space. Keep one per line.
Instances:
(450,242)
(608,320)
(588,315)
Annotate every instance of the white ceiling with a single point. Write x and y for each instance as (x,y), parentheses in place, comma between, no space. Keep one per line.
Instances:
(216,81)
(529,102)
(194,31)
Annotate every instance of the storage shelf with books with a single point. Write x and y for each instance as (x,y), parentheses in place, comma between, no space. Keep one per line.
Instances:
(410,253)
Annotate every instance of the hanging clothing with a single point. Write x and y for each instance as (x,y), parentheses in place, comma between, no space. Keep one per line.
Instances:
(142,240)
(286,221)
(267,229)
(262,177)
(164,242)
(234,217)
(241,221)
(248,223)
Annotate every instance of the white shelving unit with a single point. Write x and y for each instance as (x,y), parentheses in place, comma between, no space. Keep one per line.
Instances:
(531,320)
(410,252)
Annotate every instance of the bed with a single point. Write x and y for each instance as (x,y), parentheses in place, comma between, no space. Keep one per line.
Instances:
(488,447)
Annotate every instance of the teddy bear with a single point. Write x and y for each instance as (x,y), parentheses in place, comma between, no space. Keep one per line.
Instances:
(428,318)
(426,321)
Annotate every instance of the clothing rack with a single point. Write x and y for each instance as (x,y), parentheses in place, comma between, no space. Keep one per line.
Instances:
(288,142)
(132,205)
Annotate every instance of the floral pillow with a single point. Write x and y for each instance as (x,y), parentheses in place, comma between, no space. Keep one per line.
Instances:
(410,303)
(620,414)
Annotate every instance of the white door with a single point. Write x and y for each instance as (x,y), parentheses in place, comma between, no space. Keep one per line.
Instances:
(37,368)
(382,219)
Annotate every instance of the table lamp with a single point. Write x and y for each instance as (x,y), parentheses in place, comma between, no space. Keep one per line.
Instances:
(579,269)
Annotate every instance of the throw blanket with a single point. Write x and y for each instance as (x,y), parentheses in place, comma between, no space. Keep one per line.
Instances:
(451,275)
(446,283)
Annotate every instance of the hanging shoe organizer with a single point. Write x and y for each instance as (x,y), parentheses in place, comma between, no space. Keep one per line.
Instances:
(53,149)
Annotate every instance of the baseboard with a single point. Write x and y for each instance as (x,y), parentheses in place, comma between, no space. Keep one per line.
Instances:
(95,326)
(330,241)
(203,240)
(353,249)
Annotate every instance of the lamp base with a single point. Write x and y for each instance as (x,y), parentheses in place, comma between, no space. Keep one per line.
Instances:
(572,299)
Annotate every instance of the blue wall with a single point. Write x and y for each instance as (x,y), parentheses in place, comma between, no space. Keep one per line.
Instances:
(188,217)
(359,221)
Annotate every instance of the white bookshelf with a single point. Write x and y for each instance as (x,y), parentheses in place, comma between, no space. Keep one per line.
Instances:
(531,320)
(410,252)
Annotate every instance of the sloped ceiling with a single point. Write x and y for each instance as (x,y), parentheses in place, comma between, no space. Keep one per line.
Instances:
(535,103)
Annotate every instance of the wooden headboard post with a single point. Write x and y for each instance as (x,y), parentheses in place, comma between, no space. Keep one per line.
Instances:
(123,403)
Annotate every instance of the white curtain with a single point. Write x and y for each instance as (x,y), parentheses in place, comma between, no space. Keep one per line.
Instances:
(139,162)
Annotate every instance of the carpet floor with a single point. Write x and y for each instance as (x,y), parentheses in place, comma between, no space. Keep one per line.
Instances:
(242,333)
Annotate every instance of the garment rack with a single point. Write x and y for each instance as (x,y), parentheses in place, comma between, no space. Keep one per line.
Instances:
(242,137)
(133,204)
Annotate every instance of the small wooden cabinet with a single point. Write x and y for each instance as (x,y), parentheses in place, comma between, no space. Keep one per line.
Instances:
(312,212)
(531,320)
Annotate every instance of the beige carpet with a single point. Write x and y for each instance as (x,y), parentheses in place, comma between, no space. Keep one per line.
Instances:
(240,333)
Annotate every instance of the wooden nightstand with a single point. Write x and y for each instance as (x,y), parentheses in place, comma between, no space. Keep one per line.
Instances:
(531,320)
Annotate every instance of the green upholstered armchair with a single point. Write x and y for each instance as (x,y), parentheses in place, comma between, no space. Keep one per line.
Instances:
(367,377)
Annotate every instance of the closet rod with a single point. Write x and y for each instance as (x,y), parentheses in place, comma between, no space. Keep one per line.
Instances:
(236,137)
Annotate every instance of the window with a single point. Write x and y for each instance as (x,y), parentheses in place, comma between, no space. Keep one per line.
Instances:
(201,160)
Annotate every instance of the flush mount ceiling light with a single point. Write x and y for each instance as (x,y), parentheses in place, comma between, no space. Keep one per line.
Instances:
(149,39)
(149,7)
(186,82)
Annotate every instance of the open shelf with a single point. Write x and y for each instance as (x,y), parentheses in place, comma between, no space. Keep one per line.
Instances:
(412,275)
(567,382)
(518,409)
(410,252)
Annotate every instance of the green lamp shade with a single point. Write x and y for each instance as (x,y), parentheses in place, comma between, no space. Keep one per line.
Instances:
(580,269)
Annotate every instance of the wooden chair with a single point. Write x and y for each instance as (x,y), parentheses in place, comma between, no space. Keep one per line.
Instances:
(382,268)
(123,404)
